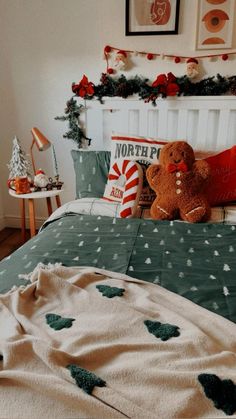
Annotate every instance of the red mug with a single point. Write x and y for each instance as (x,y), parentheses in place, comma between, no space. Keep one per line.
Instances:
(19,184)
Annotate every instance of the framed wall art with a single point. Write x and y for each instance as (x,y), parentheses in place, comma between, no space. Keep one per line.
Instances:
(215,24)
(151,17)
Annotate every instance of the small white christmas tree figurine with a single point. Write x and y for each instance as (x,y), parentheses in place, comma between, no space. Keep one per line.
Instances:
(18,165)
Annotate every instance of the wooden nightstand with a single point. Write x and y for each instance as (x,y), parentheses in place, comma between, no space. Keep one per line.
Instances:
(31,197)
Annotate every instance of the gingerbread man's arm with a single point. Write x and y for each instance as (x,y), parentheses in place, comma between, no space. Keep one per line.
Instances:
(153,174)
(202,169)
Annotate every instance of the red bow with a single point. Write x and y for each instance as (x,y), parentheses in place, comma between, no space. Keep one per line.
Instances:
(179,167)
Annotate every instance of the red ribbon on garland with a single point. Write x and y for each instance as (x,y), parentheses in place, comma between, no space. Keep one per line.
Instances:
(167,84)
(83,88)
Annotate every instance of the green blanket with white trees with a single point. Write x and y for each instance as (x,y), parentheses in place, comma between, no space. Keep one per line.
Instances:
(196,261)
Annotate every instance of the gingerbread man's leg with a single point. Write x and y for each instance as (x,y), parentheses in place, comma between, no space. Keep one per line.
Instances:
(195,210)
(161,210)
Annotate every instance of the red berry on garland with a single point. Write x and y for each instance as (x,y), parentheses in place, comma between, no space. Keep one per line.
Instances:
(103,78)
(107,49)
(225,57)
(110,70)
(150,56)
(177,60)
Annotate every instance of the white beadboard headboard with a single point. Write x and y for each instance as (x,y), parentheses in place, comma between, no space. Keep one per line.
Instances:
(206,122)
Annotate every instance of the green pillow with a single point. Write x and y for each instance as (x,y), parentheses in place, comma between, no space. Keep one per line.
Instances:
(91,171)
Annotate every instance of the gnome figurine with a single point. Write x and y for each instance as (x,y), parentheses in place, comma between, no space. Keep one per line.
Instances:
(40,179)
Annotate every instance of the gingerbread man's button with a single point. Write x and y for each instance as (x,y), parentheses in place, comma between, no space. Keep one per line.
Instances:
(178,191)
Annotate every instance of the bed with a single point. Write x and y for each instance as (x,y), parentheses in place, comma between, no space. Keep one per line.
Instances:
(108,317)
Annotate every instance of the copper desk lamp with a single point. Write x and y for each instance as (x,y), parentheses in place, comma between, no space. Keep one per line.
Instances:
(41,142)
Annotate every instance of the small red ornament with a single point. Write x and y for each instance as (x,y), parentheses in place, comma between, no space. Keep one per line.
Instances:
(150,56)
(225,57)
(107,49)
(177,60)
(110,70)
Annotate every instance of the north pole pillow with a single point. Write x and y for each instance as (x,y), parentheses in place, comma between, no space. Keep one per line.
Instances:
(145,151)
(222,186)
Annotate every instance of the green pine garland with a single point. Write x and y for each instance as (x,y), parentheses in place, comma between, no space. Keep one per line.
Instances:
(211,86)
(72,113)
(123,87)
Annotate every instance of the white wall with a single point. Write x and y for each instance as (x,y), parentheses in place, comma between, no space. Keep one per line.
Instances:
(2,221)
(2,148)
(45,45)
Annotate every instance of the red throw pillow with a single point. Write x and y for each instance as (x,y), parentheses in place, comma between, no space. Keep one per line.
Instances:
(222,186)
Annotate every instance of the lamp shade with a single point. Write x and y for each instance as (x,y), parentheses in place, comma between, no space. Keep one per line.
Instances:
(40,140)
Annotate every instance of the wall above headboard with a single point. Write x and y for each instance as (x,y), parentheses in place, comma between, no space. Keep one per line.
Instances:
(207,123)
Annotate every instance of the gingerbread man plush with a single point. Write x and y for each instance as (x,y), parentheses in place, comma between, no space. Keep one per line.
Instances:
(179,182)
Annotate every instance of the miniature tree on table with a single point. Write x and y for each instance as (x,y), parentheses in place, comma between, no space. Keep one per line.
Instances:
(19,164)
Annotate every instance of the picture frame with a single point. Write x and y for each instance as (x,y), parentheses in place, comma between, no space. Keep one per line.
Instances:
(215,24)
(151,17)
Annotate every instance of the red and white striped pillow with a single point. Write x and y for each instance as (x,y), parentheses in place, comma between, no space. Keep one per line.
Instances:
(143,151)
(129,176)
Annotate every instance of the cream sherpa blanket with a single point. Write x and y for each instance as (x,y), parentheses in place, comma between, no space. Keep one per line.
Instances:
(88,343)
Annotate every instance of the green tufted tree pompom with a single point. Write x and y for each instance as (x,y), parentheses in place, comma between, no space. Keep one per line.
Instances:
(221,392)
(110,292)
(57,322)
(164,331)
(85,379)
